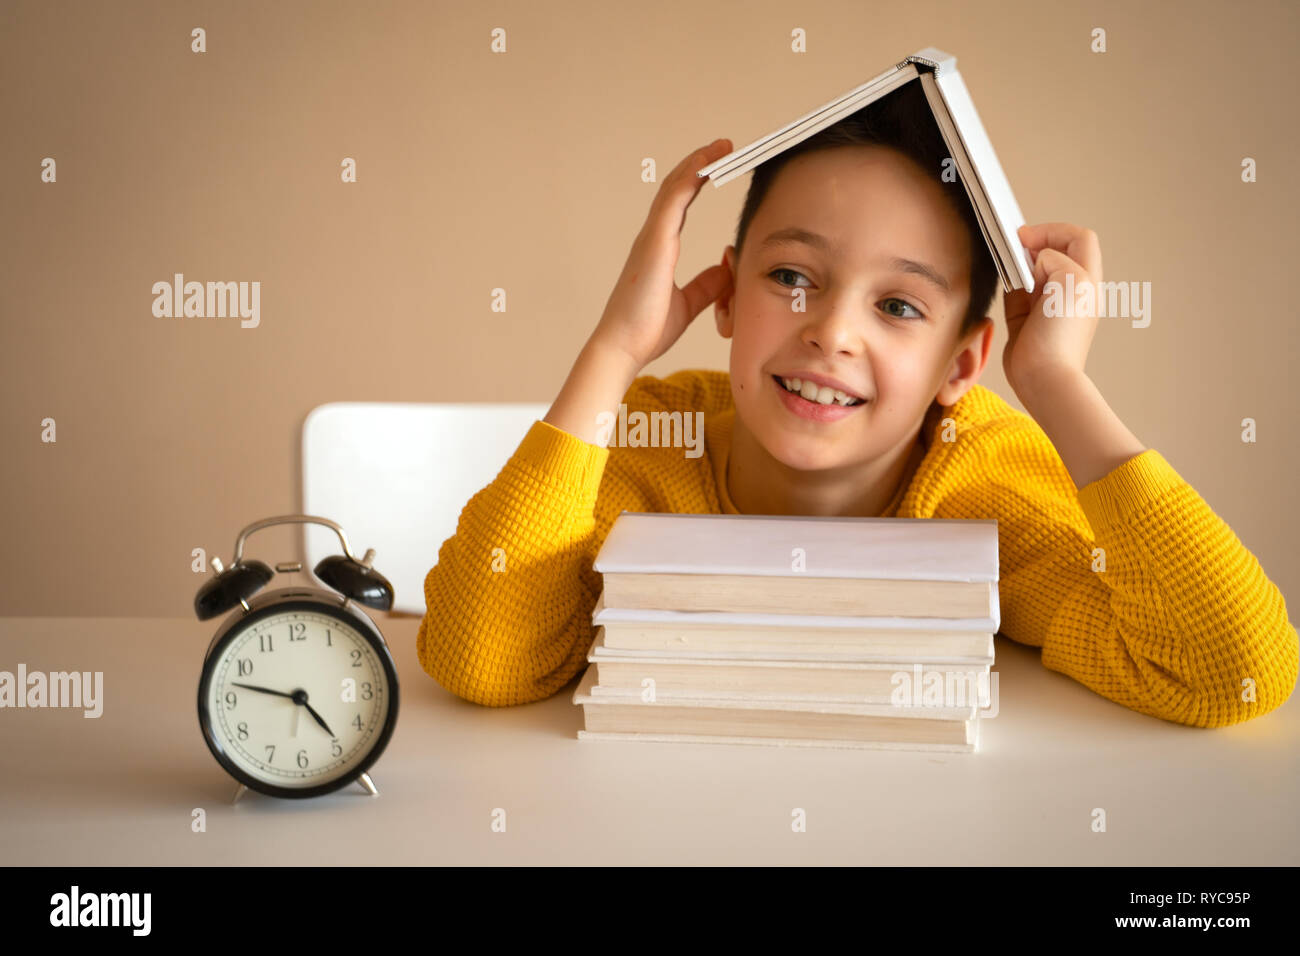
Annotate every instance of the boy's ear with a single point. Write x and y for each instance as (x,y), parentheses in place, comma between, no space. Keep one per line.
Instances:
(968,363)
(722,305)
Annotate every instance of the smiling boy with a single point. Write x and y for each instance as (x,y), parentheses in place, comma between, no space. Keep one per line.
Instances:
(859,279)
(885,332)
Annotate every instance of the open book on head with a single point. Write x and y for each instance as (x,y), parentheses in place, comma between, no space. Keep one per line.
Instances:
(968,144)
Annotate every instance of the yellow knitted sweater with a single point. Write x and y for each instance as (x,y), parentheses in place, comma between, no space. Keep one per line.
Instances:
(1182,623)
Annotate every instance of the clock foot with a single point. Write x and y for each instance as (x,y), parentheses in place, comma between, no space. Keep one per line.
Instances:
(239,792)
(368,784)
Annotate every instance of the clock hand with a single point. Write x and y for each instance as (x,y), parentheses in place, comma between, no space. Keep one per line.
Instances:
(311,710)
(264,690)
(300,697)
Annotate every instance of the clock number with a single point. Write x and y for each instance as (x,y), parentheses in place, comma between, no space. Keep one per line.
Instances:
(302,758)
(299,628)
(328,641)
(245,666)
(231,700)
(365,690)
(356,658)
(265,641)
(271,752)
(335,749)
(243,730)
(357,722)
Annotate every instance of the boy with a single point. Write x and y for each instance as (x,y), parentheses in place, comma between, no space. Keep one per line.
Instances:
(858,396)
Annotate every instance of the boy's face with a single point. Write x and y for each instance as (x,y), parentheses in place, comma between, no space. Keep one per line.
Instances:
(889,334)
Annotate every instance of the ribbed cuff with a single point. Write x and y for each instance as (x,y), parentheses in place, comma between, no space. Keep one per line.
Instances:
(1130,487)
(560,456)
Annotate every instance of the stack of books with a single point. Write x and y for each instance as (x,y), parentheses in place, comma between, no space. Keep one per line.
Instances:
(787,630)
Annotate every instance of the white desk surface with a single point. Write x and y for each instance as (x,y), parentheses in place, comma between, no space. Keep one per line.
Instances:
(119,790)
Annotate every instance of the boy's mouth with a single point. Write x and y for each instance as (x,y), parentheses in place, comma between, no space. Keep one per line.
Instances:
(821,411)
(817,394)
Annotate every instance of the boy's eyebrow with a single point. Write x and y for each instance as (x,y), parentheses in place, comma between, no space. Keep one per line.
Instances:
(820,242)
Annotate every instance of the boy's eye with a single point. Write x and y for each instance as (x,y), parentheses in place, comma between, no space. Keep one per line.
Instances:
(916,313)
(908,305)
(787,272)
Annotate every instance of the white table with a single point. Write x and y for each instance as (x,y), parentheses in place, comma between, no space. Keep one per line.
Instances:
(119,790)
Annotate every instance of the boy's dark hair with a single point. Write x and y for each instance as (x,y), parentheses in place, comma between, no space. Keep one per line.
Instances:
(901,120)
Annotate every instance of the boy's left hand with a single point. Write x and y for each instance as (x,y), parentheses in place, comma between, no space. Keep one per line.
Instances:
(1040,346)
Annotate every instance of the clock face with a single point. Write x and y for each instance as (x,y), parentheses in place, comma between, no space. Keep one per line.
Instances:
(297,698)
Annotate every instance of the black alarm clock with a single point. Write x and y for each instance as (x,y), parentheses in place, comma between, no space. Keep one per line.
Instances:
(298,693)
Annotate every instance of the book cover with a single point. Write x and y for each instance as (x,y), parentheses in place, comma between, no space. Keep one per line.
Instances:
(894,549)
(959,123)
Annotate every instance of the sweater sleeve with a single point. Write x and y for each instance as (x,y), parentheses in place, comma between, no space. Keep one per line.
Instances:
(508,605)
(1134,587)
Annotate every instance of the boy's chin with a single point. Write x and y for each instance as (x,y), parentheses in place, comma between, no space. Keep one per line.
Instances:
(804,452)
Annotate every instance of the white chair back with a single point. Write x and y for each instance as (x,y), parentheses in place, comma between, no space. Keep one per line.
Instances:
(396,476)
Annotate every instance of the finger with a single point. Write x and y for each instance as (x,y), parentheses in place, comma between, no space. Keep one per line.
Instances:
(1016,304)
(688,166)
(705,288)
(679,189)
(1052,262)
(1079,243)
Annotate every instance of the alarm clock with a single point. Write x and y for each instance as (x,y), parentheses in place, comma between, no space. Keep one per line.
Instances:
(298,692)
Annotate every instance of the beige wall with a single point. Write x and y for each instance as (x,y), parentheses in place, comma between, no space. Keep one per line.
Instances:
(522,171)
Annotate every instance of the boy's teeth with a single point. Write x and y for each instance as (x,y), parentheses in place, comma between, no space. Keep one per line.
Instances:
(821,394)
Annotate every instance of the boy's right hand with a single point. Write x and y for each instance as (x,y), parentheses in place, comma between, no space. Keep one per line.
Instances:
(646,313)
